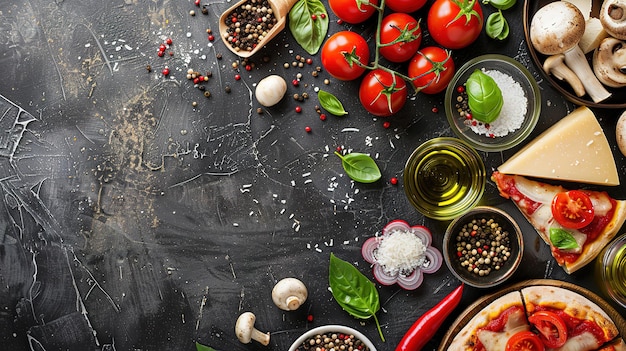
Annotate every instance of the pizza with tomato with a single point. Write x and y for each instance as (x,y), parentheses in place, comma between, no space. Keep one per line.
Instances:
(539,318)
(577,224)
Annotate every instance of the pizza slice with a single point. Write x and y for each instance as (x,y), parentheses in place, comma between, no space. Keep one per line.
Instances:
(617,345)
(492,327)
(576,224)
(566,320)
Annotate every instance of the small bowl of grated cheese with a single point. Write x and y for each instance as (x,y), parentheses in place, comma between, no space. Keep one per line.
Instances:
(520,109)
(402,254)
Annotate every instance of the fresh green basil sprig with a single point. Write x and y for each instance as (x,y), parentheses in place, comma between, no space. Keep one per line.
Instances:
(496,26)
(352,290)
(307,25)
(562,239)
(200,347)
(330,103)
(360,167)
(484,97)
(500,4)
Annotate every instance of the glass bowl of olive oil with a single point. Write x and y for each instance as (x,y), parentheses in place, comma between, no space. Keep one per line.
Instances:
(444,177)
(611,270)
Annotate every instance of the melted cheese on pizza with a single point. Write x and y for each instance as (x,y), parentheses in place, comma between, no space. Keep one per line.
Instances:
(496,340)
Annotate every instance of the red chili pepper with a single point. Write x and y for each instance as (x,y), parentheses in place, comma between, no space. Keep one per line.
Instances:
(426,326)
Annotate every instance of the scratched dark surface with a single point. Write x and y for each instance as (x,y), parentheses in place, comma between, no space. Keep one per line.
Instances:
(133,220)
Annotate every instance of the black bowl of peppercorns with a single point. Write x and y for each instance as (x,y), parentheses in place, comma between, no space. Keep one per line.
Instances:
(483,247)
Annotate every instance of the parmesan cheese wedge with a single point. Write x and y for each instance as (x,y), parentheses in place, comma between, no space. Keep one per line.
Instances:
(574,149)
(583,5)
(593,35)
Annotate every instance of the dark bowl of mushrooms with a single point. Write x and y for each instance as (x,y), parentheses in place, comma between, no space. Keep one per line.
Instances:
(483,247)
(580,48)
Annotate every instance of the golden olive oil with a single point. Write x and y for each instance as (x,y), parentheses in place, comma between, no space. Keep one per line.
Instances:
(611,270)
(444,177)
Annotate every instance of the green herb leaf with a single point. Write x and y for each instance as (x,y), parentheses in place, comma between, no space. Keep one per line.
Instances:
(484,97)
(200,347)
(355,293)
(308,32)
(562,239)
(496,26)
(500,4)
(360,167)
(330,103)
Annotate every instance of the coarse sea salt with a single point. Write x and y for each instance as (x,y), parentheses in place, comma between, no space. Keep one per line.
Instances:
(513,110)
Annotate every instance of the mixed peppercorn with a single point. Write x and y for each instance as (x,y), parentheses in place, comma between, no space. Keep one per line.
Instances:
(333,342)
(482,246)
(248,24)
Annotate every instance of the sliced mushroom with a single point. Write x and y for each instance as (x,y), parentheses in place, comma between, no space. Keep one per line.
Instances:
(556,66)
(556,28)
(613,18)
(609,62)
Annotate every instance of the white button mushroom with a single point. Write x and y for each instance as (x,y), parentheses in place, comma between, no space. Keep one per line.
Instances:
(613,18)
(620,133)
(557,28)
(289,294)
(270,90)
(609,62)
(246,332)
(556,66)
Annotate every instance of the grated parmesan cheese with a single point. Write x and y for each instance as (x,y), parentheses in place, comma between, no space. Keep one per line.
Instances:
(400,252)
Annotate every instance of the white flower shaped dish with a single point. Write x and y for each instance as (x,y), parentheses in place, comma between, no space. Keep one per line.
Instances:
(402,254)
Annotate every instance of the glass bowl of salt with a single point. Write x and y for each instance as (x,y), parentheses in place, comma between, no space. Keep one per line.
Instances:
(401,255)
(520,110)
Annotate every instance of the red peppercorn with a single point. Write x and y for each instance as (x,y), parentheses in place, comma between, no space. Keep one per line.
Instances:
(237,77)
(468,116)
(393,180)
(161,53)
(196,80)
(307,129)
(211,37)
(340,21)
(234,19)
(386,124)
(435,109)
(295,82)
(248,68)
(460,89)
(323,116)
(338,148)
(197,2)
(298,109)
(162,47)
(171,53)
(165,71)
(309,318)
(168,41)
(323,15)
(314,17)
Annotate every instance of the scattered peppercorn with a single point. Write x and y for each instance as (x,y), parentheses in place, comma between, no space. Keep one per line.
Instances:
(148,68)
(259,110)
(393,181)
(386,124)
(192,13)
(298,109)
(323,117)
(205,10)
(227,89)
(207,94)
(168,41)
(307,129)
(165,71)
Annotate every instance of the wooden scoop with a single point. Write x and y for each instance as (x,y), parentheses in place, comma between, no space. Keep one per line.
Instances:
(280,10)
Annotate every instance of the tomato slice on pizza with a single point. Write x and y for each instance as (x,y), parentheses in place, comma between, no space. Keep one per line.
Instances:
(576,223)
(565,320)
(493,327)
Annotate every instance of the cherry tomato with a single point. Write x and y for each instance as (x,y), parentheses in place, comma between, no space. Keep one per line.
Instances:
(353,11)
(552,329)
(404,34)
(455,24)
(382,93)
(405,6)
(524,341)
(572,209)
(341,52)
(431,69)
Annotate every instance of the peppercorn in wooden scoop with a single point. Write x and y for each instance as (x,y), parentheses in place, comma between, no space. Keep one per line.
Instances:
(249,25)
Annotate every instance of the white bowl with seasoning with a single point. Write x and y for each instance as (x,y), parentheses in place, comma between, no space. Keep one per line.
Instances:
(342,332)
(520,110)
(483,247)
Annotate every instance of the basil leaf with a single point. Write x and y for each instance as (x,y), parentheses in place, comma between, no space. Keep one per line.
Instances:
(562,239)
(496,26)
(308,32)
(200,347)
(330,103)
(484,97)
(360,167)
(500,4)
(352,290)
